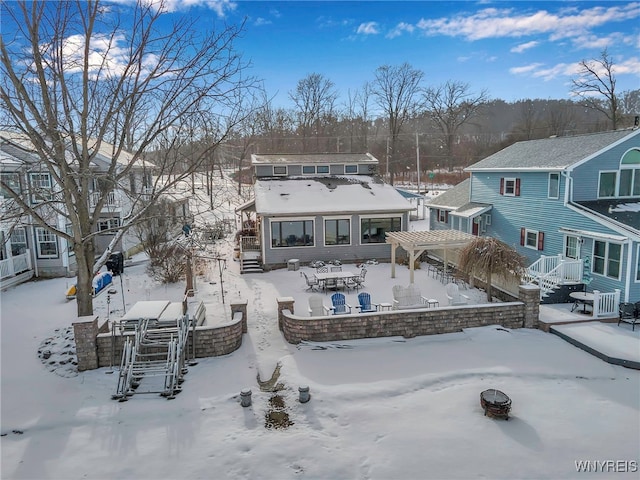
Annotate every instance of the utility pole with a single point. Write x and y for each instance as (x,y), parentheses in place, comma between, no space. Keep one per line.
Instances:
(418,161)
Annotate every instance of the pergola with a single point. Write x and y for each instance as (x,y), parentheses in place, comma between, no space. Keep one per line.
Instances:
(417,242)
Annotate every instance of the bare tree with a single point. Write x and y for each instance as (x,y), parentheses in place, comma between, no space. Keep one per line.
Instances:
(596,85)
(314,98)
(450,106)
(356,116)
(488,257)
(397,90)
(79,77)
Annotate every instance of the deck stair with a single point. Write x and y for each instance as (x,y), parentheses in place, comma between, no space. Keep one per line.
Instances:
(250,256)
(549,272)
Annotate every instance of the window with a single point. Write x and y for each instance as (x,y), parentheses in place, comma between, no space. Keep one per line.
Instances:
(296,233)
(40,187)
(12,181)
(351,169)
(322,169)
(606,258)
(607,184)
(532,239)
(571,247)
(18,241)
(337,231)
(554,185)
(372,230)
(308,169)
(46,243)
(280,170)
(108,224)
(443,216)
(510,187)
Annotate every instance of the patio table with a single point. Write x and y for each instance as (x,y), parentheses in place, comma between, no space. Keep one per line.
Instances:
(323,277)
(583,298)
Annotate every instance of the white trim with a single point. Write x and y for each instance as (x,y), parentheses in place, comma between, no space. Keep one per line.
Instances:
(594,235)
(351,173)
(273,220)
(606,259)
(273,170)
(527,231)
(504,190)
(38,243)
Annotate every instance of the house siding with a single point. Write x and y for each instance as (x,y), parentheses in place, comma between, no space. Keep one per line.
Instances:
(354,253)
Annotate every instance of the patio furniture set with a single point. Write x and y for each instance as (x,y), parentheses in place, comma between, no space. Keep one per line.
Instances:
(334,278)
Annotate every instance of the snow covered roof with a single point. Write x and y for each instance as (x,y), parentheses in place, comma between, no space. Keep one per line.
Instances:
(312,158)
(556,153)
(339,194)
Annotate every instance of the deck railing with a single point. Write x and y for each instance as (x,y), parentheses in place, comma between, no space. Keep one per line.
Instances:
(14,265)
(249,244)
(548,272)
(606,304)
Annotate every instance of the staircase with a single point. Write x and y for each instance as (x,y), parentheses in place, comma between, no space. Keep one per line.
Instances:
(250,256)
(551,274)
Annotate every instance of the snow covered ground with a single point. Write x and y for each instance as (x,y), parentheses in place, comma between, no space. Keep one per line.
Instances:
(389,408)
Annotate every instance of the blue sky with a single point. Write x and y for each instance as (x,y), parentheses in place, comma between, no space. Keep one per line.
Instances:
(514,50)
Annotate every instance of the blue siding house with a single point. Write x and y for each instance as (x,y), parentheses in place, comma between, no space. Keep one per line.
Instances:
(571,205)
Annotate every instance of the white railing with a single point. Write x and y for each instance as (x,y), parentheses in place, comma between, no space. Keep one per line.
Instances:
(606,304)
(111,199)
(548,272)
(249,244)
(15,265)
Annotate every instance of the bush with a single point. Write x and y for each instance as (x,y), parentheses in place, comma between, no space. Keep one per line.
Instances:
(168,263)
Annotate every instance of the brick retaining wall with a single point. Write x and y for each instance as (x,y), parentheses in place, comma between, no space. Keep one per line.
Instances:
(411,323)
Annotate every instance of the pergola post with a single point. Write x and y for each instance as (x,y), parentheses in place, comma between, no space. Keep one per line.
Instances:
(393,260)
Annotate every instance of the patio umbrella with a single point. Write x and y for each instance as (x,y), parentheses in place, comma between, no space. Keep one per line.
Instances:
(586,271)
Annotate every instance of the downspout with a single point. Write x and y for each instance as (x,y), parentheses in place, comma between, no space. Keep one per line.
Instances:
(627,283)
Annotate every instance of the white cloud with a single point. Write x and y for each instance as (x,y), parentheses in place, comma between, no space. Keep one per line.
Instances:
(258,22)
(498,23)
(221,7)
(524,46)
(368,28)
(401,28)
(525,69)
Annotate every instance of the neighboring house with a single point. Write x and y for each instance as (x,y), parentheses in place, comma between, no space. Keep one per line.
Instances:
(321,207)
(48,254)
(562,202)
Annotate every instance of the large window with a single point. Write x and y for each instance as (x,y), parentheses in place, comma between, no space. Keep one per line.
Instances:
(606,258)
(351,169)
(554,185)
(46,243)
(18,241)
(296,233)
(337,231)
(372,230)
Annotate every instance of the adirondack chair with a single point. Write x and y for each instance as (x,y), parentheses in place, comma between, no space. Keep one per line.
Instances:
(316,306)
(339,304)
(364,299)
(454,295)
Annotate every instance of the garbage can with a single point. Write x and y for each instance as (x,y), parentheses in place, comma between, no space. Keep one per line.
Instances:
(115,264)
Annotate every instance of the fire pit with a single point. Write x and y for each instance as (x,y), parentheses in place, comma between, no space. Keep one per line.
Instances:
(495,403)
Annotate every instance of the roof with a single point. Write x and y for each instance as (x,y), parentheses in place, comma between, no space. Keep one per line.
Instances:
(623,211)
(339,194)
(453,198)
(556,153)
(312,158)
(432,239)
(409,195)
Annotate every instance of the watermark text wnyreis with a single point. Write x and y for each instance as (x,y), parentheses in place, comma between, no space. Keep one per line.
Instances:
(607,466)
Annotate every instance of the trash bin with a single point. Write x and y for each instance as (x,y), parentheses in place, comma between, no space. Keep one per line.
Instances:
(115,264)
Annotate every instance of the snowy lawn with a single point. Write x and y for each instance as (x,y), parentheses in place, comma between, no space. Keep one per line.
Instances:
(389,408)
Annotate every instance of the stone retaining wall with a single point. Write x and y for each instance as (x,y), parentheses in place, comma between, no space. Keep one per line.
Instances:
(210,341)
(410,323)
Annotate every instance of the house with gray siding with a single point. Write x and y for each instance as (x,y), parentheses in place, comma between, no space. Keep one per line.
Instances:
(561,202)
(319,207)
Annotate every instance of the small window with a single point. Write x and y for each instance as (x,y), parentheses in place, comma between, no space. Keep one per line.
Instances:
(280,170)
(108,224)
(554,185)
(351,169)
(40,187)
(308,169)
(322,169)
(532,239)
(18,241)
(571,247)
(510,187)
(487,219)
(443,216)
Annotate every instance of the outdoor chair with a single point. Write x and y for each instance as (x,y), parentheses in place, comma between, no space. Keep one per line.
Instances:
(336,268)
(312,283)
(454,295)
(628,313)
(330,284)
(408,297)
(316,306)
(365,305)
(339,304)
(322,269)
(358,281)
